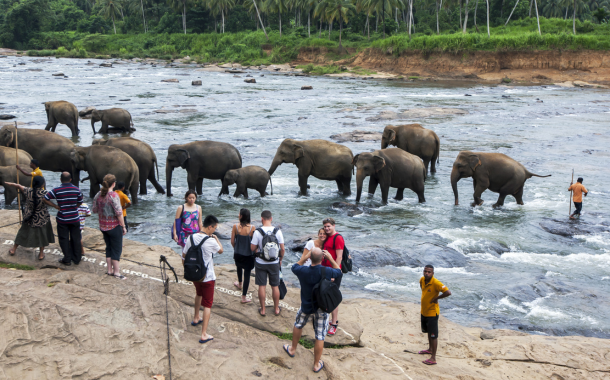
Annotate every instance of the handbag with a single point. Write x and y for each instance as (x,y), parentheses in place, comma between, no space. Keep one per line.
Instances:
(282,287)
(178,222)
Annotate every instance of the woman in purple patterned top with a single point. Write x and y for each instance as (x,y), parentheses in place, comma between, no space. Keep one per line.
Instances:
(190,215)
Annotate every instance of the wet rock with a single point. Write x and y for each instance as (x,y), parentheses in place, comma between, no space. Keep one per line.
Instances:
(165,110)
(306,87)
(196,83)
(124,100)
(106,64)
(467,95)
(569,228)
(506,96)
(298,244)
(58,74)
(350,208)
(302,117)
(357,136)
(540,76)
(471,76)
(415,257)
(188,110)
(86,112)
(417,113)
(250,80)
(235,71)
(236,76)
(493,334)
(34,69)
(7,116)
(173,80)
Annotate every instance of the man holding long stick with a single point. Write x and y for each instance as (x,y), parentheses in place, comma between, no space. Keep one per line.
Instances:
(578,188)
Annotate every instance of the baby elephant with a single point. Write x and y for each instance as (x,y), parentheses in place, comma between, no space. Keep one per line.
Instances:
(249,177)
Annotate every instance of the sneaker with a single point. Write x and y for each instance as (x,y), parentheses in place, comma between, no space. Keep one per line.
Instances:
(332,330)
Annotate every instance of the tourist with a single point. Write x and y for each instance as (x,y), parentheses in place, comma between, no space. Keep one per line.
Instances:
(430,289)
(83,212)
(108,207)
(268,268)
(68,198)
(36,230)
(241,237)
(334,244)
(190,218)
(578,189)
(205,289)
(36,172)
(308,277)
(319,243)
(125,202)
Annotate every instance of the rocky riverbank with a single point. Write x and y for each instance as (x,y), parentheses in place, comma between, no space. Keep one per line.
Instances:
(69,322)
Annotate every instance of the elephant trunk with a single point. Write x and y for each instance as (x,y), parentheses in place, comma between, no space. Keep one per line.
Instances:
(359,180)
(384,144)
(168,179)
(93,124)
(455,177)
(276,162)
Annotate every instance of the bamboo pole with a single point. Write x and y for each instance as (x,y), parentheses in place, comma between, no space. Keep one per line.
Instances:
(571,191)
(17,171)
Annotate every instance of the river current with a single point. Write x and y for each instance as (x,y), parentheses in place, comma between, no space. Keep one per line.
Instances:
(512,273)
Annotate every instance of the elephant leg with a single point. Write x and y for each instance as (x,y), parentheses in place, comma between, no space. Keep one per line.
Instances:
(303,184)
(143,190)
(191,179)
(200,186)
(224,188)
(432,165)
(519,196)
(155,183)
(104,128)
(373,182)
(478,191)
(94,189)
(427,164)
(420,197)
(73,129)
(133,190)
(500,201)
(246,193)
(399,194)
(384,193)
(347,189)
(339,186)
(262,191)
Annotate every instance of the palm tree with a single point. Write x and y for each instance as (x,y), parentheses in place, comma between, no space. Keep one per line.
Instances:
(180,5)
(110,9)
(339,9)
(260,19)
(278,6)
(552,8)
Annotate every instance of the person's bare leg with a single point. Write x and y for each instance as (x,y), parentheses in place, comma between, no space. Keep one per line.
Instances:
(433,346)
(115,266)
(335,316)
(318,347)
(196,318)
(109,265)
(13,250)
(206,319)
(296,336)
(275,292)
(41,253)
(262,295)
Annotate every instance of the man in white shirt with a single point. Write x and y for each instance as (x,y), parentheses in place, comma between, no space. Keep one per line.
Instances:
(205,288)
(265,268)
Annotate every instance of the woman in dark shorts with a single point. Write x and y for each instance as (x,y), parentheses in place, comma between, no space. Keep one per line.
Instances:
(241,235)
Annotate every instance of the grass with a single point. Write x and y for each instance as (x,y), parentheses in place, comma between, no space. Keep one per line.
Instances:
(305,343)
(16,266)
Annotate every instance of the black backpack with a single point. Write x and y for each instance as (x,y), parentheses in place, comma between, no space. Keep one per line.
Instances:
(270,245)
(326,294)
(194,267)
(346,260)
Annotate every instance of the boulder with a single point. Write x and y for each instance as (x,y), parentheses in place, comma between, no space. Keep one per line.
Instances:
(298,244)
(86,112)
(105,64)
(493,334)
(350,208)
(7,116)
(306,87)
(414,257)
(235,71)
(569,228)
(417,113)
(173,80)
(58,74)
(196,83)
(250,80)
(357,136)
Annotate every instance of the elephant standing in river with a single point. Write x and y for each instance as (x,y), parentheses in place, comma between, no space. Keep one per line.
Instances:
(144,156)
(494,171)
(415,139)
(249,177)
(115,117)
(99,160)
(7,157)
(320,158)
(61,112)
(392,167)
(50,149)
(9,174)
(201,159)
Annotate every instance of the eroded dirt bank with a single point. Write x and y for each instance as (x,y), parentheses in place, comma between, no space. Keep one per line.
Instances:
(532,66)
(76,322)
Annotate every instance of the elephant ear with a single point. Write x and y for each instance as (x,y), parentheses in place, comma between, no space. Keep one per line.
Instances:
(182,155)
(378,162)
(355,160)
(298,151)
(474,161)
(391,136)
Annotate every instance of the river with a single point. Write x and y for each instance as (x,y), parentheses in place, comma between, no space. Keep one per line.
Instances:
(512,273)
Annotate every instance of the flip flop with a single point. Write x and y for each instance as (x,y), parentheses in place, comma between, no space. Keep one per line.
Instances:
(205,341)
(11,250)
(429,362)
(41,258)
(425,352)
(259,311)
(321,367)
(287,351)
(276,314)
(198,323)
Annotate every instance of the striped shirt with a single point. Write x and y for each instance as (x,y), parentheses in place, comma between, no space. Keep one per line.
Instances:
(68,198)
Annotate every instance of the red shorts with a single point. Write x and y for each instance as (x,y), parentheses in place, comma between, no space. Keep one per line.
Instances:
(205,290)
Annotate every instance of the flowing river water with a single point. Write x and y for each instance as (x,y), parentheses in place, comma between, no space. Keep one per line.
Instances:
(504,269)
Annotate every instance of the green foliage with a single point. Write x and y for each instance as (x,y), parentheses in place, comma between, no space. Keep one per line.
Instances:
(16,266)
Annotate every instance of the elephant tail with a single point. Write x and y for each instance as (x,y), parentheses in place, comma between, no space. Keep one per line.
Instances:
(438,150)
(157,166)
(530,175)
(425,173)
(130,120)
(271,183)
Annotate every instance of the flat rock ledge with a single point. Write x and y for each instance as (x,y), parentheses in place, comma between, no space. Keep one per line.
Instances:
(70,322)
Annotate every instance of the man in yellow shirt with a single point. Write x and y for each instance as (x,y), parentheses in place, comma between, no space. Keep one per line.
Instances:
(578,188)
(124,199)
(36,172)
(430,289)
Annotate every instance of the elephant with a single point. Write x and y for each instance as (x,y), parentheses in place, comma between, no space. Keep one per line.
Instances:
(415,139)
(50,149)
(116,117)
(249,177)
(201,159)
(142,154)
(99,160)
(494,171)
(319,158)
(61,112)
(392,167)
(7,157)
(9,174)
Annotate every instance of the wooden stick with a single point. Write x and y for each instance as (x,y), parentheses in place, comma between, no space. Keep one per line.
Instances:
(17,171)
(571,191)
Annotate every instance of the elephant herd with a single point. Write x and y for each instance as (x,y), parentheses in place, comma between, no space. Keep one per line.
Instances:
(134,162)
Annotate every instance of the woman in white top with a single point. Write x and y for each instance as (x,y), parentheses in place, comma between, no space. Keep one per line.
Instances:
(319,242)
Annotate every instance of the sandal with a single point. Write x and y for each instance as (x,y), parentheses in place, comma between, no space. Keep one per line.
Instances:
(287,349)
(322,366)
(429,362)
(120,277)
(425,352)
(259,311)
(279,312)
(13,252)
(41,258)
